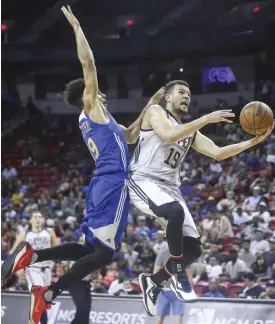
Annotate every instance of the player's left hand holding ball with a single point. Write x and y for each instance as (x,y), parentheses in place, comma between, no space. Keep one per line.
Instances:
(70,16)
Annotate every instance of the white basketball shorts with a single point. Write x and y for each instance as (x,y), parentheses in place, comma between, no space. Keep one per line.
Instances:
(143,189)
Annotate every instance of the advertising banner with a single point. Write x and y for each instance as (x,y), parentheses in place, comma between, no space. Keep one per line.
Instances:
(108,310)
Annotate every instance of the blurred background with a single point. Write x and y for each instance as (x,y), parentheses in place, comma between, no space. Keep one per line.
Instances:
(225,50)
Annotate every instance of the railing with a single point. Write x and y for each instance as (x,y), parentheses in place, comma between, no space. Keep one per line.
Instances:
(129,310)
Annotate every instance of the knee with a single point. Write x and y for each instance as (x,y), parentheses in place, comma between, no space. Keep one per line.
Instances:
(175,212)
(191,248)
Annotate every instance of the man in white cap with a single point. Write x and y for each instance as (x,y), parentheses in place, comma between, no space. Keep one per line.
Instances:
(251,202)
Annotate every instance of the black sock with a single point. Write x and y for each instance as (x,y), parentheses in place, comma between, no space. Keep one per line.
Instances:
(161,276)
(44,318)
(64,252)
(101,256)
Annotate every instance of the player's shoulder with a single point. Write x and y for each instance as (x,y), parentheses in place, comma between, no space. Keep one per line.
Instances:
(82,116)
(155,110)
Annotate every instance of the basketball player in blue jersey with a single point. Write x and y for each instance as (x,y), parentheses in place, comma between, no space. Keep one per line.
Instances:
(107,200)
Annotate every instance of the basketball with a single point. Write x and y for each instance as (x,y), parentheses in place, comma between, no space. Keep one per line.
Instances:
(256,117)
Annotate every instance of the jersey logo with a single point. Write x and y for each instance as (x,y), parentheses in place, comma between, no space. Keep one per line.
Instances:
(85,128)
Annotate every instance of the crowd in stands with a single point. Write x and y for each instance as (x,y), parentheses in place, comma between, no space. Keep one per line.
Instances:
(46,166)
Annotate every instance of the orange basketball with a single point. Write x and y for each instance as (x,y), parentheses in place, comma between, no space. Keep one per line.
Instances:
(256,117)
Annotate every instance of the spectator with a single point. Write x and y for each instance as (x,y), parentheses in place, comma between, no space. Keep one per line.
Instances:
(269,256)
(208,222)
(224,226)
(213,290)
(235,268)
(213,268)
(251,203)
(240,217)
(161,244)
(130,236)
(117,286)
(141,226)
(251,289)
(245,254)
(261,269)
(262,212)
(228,202)
(9,172)
(10,213)
(131,256)
(221,289)
(216,167)
(98,287)
(259,245)
(270,290)
(214,252)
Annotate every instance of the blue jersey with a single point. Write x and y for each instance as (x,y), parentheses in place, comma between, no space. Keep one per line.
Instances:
(106,144)
(107,200)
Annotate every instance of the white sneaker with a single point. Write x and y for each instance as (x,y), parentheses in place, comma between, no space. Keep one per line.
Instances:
(150,293)
(181,286)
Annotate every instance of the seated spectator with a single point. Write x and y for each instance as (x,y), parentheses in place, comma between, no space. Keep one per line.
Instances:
(131,256)
(245,253)
(229,202)
(240,217)
(213,290)
(262,212)
(214,252)
(130,235)
(224,226)
(208,222)
(213,268)
(251,202)
(117,286)
(9,172)
(160,244)
(141,226)
(216,167)
(270,290)
(98,287)
(259,245)
(235,267)
(269,256)
(251,289)
(220,287)
(261,270)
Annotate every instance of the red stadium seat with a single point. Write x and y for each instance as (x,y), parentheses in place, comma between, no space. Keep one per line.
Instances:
(272,225)
(235,289)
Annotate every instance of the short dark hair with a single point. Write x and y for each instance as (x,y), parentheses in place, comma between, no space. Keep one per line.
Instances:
(170,85)
(74,92)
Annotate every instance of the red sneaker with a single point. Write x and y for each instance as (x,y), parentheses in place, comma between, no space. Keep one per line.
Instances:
(18,260)
(38,303)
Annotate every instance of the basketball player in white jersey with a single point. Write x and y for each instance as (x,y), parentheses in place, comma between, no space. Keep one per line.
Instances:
(154,183)
(40,238)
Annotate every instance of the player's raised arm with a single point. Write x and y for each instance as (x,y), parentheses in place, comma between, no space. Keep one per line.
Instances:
(206,146)
(170,133)
(86,59)
(131,133)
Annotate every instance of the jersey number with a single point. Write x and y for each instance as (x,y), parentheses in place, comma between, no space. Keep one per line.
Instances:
(173,158)
(93,148)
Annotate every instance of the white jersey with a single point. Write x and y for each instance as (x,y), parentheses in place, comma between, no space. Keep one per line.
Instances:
(39,241)
(154,158)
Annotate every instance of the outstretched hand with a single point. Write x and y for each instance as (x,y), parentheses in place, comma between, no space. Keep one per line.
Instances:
(260,138)
(70,16)
(156,98)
